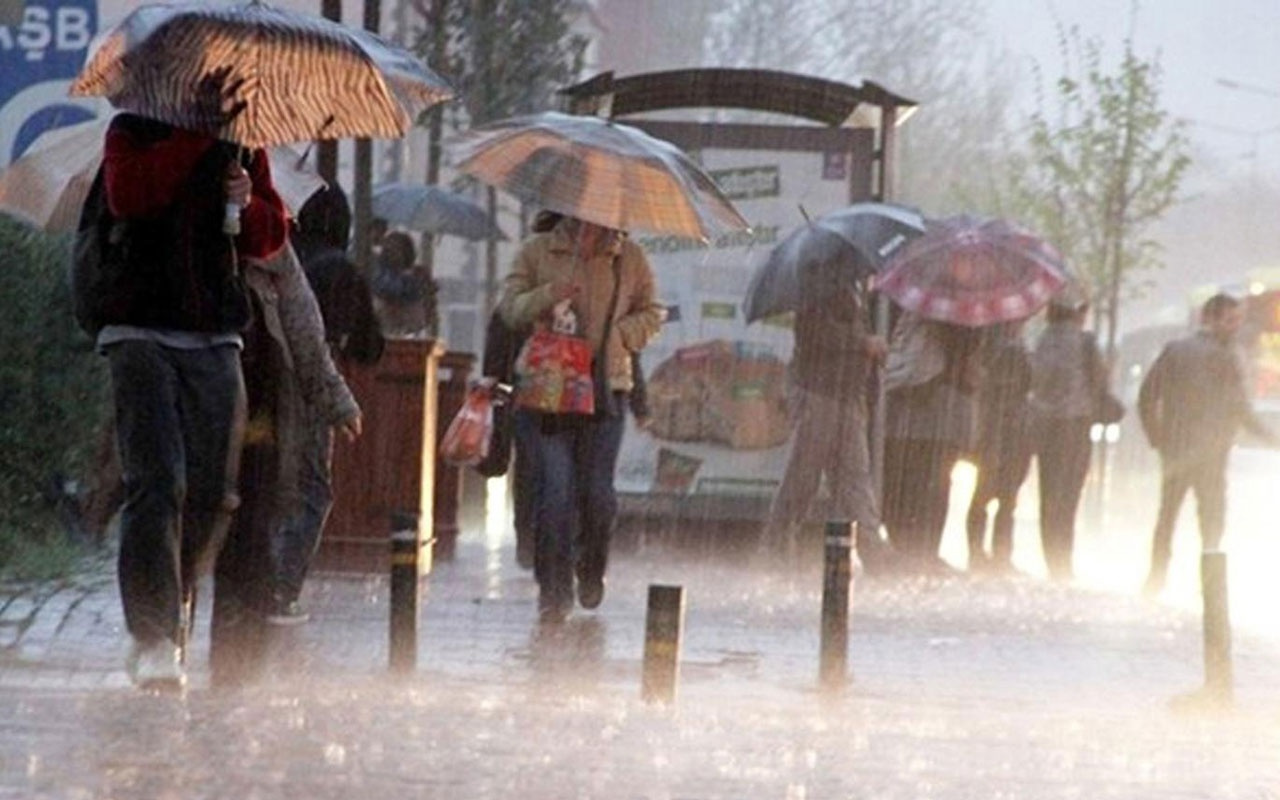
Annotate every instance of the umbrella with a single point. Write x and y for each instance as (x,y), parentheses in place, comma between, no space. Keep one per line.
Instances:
(593,169)
(974,272)
(47,186)
(434,210)
(861,237)
(258,75)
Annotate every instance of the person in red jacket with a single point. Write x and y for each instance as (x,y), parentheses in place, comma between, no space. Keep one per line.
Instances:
(173,316)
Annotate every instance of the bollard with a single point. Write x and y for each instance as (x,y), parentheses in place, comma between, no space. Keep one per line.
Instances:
(1218,679)
(663,626)
(837,575)
(405,553)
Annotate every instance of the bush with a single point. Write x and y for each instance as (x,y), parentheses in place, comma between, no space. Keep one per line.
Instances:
(53,391)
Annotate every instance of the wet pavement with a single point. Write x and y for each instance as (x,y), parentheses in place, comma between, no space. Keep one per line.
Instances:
(960,688)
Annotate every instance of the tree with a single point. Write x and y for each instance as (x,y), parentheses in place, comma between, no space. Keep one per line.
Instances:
(932,51)
(505,58)
(1098,173)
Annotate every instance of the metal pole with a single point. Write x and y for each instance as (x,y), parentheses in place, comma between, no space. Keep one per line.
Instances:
(405,569)
(1218,678)
(836,579)
(663,626)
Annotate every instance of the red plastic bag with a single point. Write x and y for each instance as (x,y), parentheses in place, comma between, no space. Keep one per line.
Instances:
(553,374)
(466,441)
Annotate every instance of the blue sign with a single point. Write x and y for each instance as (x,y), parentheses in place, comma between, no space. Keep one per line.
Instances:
(38,60)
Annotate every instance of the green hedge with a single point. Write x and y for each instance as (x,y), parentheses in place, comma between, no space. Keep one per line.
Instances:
(53,388)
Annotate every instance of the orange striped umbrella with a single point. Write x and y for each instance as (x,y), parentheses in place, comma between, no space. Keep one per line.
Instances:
(258,75)
(47,185)
(599,171)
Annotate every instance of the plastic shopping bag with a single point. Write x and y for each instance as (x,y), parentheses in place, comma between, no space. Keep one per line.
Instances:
(553,374)
(466,441)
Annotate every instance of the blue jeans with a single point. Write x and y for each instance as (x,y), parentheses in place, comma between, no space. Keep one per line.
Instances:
(295,539)
(179,420)
(577,505)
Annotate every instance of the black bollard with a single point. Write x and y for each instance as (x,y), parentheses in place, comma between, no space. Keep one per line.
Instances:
(405,570)
(663,627)
(1218,678)
(837,575)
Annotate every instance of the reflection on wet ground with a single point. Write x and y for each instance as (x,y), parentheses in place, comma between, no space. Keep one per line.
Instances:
(1009,687)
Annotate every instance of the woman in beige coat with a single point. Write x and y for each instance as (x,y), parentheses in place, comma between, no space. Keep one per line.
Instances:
(603,282)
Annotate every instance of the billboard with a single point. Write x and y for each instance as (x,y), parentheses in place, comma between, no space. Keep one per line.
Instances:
(719,423)
(39,57)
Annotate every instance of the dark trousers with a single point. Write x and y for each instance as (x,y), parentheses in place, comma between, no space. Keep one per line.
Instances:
(577,506)
(295,540)
(524,483)
(1063,449)
(1207,476)
(179,420)
(917,490)
(1001,471)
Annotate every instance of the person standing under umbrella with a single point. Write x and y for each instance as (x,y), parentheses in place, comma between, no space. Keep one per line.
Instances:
(606,280)
(931,384)
(835,356)
(1062,404)
(172,338)
(1003,454)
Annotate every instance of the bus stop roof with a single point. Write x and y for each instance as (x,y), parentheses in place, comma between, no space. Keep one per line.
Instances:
(817,99)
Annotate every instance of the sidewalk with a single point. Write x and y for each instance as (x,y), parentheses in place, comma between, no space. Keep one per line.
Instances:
(961,688)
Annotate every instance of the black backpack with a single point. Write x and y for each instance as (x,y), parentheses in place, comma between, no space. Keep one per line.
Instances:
(97,256)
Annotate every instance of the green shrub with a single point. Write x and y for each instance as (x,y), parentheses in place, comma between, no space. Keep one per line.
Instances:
(53,390)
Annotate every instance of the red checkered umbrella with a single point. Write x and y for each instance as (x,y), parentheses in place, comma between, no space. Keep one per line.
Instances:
(974,272)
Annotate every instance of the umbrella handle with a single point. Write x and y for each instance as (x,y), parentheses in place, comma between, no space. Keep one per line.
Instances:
(231,215)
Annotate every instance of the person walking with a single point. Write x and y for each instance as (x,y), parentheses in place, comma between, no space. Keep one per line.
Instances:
(172,339)
(1065,369)
(931,383)
(327,319)
(831,370)
(1003,454)
(604,281)
(1191,404)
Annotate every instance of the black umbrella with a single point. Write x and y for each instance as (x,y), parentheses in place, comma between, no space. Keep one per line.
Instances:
(862,237)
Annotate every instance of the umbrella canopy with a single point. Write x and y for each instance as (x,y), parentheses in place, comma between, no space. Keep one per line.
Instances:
(974,272)
(47,186)
(860,237)
(434,210)
(258,75)
(593,169)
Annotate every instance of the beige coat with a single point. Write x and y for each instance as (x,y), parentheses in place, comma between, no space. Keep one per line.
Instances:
(548,259)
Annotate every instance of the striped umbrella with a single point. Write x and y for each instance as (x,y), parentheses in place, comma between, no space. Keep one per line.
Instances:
(599,171)
(974,272)
(258,75)
(48,184)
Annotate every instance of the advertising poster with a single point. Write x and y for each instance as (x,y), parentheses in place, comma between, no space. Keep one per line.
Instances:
(717,387)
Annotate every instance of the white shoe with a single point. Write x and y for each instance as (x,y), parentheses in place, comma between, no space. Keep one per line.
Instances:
(156,666)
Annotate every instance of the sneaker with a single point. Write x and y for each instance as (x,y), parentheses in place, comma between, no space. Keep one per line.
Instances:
(287,614)
(156,666)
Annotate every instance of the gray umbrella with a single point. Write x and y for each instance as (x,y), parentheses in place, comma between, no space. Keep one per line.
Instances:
(860,237)
(429,208)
